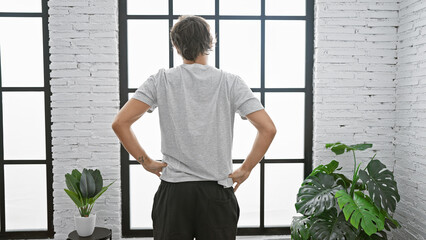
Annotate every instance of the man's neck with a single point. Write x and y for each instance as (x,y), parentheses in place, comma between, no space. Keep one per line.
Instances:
(202,59)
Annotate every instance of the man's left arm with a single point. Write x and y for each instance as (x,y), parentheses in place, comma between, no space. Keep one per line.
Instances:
(128,114)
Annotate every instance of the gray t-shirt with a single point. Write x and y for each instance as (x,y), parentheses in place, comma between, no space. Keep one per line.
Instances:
(197,105)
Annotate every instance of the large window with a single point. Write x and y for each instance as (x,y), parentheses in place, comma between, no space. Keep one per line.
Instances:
(26,202)
(269,43)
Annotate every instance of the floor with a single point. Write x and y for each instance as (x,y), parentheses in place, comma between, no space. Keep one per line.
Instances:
(272,237)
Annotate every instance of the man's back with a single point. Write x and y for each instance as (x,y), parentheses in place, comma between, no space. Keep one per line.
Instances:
(197,105)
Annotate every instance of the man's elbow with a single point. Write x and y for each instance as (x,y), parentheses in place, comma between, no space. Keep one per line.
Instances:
(117,123)
(272,131)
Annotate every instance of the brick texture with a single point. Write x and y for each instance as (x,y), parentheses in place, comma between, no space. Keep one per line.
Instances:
(410,139)
(369,69)
(354,79)
(85,98)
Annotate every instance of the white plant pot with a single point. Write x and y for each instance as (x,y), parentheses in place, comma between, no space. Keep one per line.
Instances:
(85,225)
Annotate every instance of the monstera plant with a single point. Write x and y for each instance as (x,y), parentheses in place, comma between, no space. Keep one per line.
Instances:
(84,188)
(335,207)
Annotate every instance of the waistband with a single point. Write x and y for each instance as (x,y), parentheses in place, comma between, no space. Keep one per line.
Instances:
(190,182)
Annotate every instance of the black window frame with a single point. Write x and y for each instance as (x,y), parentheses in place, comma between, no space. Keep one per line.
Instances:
(49,233)
(308,129)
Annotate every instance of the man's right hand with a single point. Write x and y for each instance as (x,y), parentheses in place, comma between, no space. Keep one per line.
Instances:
(239,176)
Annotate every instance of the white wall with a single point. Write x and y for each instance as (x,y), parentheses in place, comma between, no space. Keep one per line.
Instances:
(354,78)
(85,98)
(410,142)
(369,85)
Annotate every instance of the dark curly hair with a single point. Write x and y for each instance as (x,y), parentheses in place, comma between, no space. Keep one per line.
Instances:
(191,37)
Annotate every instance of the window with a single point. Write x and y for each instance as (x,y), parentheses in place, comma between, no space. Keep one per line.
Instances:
(26,200)
(272,41)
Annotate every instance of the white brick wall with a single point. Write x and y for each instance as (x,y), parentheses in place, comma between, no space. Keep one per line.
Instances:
(365,89)
(410,141)
(85,98)
(354,78)
(369,70)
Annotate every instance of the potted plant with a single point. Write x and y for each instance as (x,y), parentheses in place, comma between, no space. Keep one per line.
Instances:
(83,189)
(335,207)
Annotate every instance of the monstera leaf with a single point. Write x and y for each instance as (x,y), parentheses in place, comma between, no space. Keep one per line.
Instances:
(300,228)
(328,169)
(381,185)
(87,184)
(317,194)
(329,225)
(389,221)
(381,235)
(342,179)
(340,148)
(362,210)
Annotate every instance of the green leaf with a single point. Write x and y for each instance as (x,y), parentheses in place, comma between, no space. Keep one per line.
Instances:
(361,146)
(328,169)
(340,148)
(87,184)
(380,235)
(317,194)
(76,174)
(98,181)
(360,186)
(102,191)
(74,197)
(342,179)
(381,185)
(72,184)
(300,228)
(389,221)
(361,210)
(329,225)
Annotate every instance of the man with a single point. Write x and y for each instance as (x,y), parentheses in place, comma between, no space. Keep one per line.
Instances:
(197,105)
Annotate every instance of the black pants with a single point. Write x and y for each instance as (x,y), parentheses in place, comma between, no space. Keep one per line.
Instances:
(201,209)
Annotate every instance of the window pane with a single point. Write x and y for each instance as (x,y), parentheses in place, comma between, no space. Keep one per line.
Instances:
(240,49)
(20,6)
(248,197)
(147,131)
(282,182)
(25,197)
(148,49)
(21,47)
(148,7)
(285,54)
(23,125)
(234,7)
(285,7)
(244,135)
(287,110)
(177,59)
(193,7)
(142,186)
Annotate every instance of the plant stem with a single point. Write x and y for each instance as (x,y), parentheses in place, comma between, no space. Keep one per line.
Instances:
(90,210)
(354,180)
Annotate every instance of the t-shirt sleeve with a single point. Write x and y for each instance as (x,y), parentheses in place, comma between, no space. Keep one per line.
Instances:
(243,99)
(147,93)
